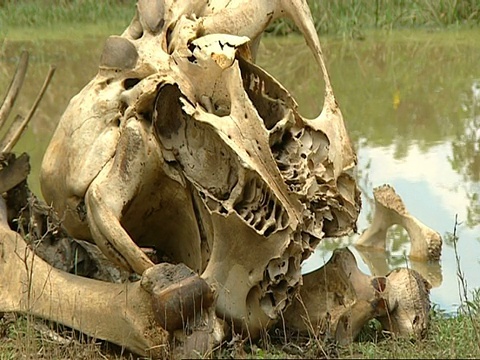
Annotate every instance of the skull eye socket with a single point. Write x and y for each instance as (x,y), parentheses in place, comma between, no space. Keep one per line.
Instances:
(130,83)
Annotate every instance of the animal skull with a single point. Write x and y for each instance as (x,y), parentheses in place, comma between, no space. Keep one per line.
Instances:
(182,143)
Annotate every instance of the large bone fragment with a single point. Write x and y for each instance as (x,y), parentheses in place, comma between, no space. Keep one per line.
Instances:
(129,314)
(182,144)
(121,313)
(426,244)
(338,300)
(408,304)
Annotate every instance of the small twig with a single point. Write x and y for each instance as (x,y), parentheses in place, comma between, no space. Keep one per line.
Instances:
(14,88)
(17,128)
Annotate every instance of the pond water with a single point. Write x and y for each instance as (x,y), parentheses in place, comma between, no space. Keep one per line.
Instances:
(411,101)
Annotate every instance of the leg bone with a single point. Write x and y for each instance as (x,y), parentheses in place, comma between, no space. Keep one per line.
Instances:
(120,313)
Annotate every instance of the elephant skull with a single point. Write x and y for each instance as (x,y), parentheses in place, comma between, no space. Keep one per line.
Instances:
(182,143)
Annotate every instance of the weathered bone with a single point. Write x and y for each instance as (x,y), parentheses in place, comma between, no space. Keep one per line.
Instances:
(182,144)
(408,304)
(29,285)
(129,314)
(338,300)
(426,244)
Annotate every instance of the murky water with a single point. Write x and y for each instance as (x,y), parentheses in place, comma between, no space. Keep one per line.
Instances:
(412,106)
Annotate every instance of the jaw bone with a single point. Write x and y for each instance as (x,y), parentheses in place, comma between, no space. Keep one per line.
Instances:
(338,300)
(426,244)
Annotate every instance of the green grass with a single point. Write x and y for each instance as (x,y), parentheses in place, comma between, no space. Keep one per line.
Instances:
(347,18)
(32,13)
(32,19)
(448,337)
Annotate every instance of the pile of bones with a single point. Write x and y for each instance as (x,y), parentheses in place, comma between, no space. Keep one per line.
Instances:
(182,144)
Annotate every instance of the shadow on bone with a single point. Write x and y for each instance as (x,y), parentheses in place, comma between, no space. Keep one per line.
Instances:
(338,299)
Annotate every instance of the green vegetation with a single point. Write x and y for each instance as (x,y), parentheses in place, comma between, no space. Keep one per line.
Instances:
(348,18)
(63,18)
(32,13)
(448,337)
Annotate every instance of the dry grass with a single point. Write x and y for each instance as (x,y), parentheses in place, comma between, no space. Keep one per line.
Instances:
(448,337)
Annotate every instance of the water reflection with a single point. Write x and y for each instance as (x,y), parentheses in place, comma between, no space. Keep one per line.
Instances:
(75,67)
(411,105)
(404,98)
(465,158)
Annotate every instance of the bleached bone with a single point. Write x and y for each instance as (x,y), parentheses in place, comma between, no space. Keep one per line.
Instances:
(119,312)
(408,304)
(426,244)
(337,300)
(181,143)
(134,315)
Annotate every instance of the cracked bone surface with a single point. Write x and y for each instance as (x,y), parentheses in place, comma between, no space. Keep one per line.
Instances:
(120,313)
(182,143)
(338,300)
(426,243)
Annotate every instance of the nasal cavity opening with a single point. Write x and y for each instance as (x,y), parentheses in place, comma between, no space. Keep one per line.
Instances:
(130,83)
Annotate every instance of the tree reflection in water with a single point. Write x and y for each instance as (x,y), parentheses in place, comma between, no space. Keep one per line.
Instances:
(465,157)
